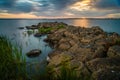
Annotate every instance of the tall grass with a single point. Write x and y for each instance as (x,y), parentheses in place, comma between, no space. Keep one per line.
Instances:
(12,63)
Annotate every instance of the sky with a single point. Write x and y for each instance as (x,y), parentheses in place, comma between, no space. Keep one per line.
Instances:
(59,8)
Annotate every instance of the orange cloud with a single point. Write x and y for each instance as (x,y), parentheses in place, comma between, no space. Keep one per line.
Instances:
(81,6)
(21,15)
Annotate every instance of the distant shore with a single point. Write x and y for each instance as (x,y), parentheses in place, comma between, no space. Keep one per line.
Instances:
(58,18)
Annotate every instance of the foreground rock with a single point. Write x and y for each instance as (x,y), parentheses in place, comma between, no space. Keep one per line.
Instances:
(34,53)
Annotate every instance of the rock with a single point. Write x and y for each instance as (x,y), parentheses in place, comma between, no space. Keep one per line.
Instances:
(38,35)
(59,59)
(107,74)
(64,46)
(97,30)
(72,42)
(32,27)
(34,53)
(103,63)
(99,51)
(47,40)
(54,53)
(114,51)
(85,40)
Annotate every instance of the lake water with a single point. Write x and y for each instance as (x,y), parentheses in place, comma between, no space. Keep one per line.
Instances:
(29,42)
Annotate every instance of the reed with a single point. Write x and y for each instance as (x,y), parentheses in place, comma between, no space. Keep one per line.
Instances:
(12,63)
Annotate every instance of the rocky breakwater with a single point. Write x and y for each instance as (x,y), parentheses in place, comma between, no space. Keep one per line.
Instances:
(89,51)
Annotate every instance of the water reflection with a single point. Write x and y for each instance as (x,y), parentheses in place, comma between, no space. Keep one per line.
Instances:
(82,23)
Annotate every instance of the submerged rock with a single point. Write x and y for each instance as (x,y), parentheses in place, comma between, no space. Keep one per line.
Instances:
(20,27)
(32,27)
(34,53)
(38,35)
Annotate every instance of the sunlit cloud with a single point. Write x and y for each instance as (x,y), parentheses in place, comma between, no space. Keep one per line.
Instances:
(81,6)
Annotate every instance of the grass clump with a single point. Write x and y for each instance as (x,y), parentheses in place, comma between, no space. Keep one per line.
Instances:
(45,30)
(49,29)
(60,26)
(12,63)
(66,72)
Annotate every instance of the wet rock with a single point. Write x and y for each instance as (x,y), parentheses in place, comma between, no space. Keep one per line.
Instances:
(38,35)
(34,53)
(114,51)
(32,27)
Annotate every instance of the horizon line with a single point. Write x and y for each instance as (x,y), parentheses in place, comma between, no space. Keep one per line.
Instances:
(60,18)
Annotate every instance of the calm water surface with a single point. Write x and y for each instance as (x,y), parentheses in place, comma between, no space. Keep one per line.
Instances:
(29,42)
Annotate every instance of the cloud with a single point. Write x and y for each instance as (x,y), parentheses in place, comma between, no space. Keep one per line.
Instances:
(61,8)
(106,4)
(12,6)
(7,3)
(62,4)
(23,7)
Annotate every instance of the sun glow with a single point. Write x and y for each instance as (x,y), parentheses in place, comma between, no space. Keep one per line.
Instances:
(81,6)
(82,22)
